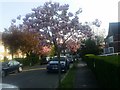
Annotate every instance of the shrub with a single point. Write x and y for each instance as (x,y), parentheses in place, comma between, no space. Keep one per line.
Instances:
(29,61)
(24,61)
(89,55)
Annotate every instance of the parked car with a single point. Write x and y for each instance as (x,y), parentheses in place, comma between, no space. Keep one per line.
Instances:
(70,58)
(53,64)
(5,86)
(43,61)
(11,66)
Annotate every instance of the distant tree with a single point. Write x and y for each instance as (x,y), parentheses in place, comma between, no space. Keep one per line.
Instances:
(99,39)
(30,42)
(16,39)
(11,39)
(90,47)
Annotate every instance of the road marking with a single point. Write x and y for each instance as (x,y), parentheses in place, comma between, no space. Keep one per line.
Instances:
(34,69)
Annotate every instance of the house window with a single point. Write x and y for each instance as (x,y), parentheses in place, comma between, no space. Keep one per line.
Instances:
(106,51)
(111,49)
(110,39)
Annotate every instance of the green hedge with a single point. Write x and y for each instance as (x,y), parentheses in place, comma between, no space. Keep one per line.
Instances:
(106,69)
(24,61)
(29,61)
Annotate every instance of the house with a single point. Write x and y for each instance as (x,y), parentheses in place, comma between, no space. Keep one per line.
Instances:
(112,41)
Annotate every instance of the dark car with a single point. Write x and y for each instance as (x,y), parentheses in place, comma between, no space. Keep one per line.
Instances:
(11,66)
(53,64)
(43,61)
(70,58)
(5,86)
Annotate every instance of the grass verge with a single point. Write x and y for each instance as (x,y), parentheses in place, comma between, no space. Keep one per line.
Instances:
(68,81)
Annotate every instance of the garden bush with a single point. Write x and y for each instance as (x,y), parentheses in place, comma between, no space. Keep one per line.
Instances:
(29,61)
(24,61)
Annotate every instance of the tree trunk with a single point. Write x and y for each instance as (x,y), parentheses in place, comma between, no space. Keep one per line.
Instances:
(59,67)
(12,54)
(28,58)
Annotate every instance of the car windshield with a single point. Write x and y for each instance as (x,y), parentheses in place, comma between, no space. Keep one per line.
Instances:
(69,56)
(56,59)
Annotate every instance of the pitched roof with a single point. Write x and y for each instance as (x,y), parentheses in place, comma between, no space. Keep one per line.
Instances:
(114,28)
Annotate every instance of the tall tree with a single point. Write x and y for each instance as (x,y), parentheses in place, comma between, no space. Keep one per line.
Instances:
(56,24)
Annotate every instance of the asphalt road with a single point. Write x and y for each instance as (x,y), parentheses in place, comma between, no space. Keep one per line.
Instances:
(36,77)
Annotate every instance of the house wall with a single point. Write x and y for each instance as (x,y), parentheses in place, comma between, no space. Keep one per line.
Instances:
(117,43)
(115,33)
(117,46)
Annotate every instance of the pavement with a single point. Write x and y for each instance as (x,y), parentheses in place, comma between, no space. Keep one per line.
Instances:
(84,77)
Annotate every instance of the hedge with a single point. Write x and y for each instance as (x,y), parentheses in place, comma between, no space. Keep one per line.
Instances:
(106,69)
(28,61)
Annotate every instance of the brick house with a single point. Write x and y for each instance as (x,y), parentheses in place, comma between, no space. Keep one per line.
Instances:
(112,41)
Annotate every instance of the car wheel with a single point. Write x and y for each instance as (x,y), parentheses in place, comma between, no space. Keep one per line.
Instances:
(20,69)
(48,71)
(3,74)
(65,70)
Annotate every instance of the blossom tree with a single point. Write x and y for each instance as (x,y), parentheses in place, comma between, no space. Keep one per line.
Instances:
(54,23)
(73,46)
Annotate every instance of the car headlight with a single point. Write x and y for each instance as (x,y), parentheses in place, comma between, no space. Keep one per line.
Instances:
(21,64)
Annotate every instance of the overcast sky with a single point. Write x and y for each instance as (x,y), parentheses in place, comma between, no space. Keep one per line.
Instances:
(104,10)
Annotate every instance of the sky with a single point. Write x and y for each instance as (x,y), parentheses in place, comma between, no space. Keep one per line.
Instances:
(104,10)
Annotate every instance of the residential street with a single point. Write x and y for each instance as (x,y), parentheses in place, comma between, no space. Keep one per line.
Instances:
(35,77)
